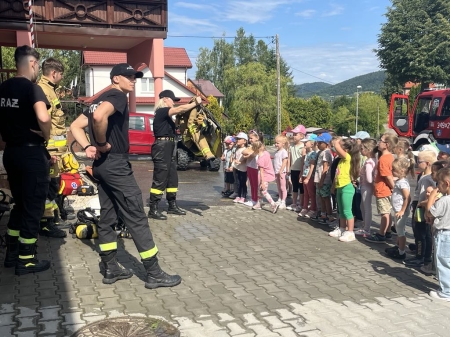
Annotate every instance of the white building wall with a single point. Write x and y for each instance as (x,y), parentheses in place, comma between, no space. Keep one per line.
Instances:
(178,73)
(179,91)
(98,79)
(148,109)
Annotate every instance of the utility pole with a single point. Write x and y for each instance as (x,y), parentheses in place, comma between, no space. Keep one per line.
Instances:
(278,86)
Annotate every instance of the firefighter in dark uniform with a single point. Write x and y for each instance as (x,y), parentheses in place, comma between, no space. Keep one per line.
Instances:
(25,128)
(165,176)
(52,74)
(108,122)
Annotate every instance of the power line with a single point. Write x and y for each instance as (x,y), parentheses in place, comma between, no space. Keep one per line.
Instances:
(312,76)
(220,37)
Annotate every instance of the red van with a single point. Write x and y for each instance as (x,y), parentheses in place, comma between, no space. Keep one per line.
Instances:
(141,133)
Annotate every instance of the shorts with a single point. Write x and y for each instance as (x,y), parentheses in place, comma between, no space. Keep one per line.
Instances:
(296,185)
(229,178)
(323,192)
(384,205)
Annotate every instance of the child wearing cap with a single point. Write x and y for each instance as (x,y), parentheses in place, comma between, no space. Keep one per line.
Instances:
(295,164)
(240,167)
(227,168)
(322,178)
(307,178)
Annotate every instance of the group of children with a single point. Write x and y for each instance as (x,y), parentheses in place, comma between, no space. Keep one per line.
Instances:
(326,170)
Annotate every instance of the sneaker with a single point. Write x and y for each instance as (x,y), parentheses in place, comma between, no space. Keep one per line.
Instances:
(303,212)
(414,262)
(388,236)
(323,221)
(275,208)
(347,236)
(390,249)
(336,233)
(427,269)
(241,201)
(282,205)
(249,203)
(237,199)
(257,206)
(291,207)
(376,238)
(310,215)
(362,232)
(436,295)
(298,209)
(233,195)
(395,254)
(319,218)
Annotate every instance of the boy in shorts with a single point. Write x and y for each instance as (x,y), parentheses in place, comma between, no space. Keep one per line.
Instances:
(322,178)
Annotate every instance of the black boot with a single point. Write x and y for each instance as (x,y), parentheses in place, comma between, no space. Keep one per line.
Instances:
(156,277)
(114,271)
(49,229)
(154,212)
(12,251)
(174,209)
(27,261)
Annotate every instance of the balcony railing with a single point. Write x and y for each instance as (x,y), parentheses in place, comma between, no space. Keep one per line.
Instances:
(6,73)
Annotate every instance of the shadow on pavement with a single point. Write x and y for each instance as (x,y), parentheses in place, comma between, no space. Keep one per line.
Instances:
(407,276)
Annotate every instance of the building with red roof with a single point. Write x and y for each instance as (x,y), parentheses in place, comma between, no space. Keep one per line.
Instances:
(205,88)
(97,66)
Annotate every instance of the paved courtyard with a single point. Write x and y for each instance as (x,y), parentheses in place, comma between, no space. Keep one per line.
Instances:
(245,273)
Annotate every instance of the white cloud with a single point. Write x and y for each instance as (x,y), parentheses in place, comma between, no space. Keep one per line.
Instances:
(191,5)
(332,63)
(306,13)
(184,25)
(335,10)
(253,11)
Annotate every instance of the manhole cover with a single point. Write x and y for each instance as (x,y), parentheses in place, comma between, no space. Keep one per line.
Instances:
(128,327)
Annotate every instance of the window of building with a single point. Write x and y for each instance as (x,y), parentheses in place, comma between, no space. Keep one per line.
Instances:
(147,85)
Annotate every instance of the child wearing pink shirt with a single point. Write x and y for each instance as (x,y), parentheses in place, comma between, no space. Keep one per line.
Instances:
(266,173)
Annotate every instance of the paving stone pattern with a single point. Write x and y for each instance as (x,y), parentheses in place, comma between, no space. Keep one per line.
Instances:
(245,273)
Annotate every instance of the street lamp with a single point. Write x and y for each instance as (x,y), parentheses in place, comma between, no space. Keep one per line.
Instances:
(357,103)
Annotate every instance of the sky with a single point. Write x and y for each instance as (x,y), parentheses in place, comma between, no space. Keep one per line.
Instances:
(321,40)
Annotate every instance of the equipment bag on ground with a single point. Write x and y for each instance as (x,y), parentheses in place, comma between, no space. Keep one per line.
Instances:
(86,225)
(70,183)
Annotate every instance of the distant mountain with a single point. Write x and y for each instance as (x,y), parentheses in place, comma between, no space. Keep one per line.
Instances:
(369,82)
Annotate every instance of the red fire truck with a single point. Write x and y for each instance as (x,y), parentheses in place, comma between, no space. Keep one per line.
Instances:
(428,121)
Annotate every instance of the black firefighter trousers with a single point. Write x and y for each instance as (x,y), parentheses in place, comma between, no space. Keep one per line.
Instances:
(165,175)
(118,191)
(28,170)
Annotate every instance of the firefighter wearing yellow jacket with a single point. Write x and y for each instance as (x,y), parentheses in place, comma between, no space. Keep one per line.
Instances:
(52,74)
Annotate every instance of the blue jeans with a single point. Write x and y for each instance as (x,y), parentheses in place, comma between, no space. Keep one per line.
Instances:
(442,254)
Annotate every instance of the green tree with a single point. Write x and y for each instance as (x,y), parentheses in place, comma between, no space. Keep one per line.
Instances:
(313,112)
(343,120)
(215,109)
(415,41)
(368,106)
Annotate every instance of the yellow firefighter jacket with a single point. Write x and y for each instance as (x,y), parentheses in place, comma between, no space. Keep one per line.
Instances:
(58,133)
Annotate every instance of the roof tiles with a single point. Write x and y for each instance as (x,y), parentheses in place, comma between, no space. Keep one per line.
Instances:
(173,57)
